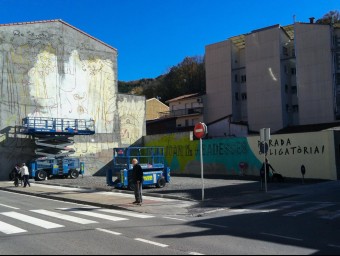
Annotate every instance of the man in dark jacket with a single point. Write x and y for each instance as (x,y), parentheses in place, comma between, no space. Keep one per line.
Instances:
(269,168)
(137,173)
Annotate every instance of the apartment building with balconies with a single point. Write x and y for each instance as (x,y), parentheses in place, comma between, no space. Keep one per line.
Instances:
(187,109)
(275,77)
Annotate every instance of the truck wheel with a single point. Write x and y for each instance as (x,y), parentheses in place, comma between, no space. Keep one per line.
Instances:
(161,183)
(74,174)
(41,175)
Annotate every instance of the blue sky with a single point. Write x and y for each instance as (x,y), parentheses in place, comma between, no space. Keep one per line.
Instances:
(151,36)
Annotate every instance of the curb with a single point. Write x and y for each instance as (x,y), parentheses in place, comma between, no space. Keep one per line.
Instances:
(124,192)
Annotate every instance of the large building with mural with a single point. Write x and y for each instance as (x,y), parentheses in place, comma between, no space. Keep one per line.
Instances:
(52,69)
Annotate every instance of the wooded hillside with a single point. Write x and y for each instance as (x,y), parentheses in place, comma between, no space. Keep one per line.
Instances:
(185,78)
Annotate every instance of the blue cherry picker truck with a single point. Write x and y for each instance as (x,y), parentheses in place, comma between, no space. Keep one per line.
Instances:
(53,138)
(152,161)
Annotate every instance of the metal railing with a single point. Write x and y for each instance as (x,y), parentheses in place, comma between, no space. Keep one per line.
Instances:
(182,112)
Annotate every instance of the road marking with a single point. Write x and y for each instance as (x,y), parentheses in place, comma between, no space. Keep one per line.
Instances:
(32,220)
(239,210)
(9,206)
(217,210)
(151,242)
(333,245)
(132,196)
(99,215)
(195,253)
(9,229)
(171,218)
(61,187)
(108,231)
(127,213)
(64,217)
(307,210)
(285,237)
(43,198)
(332,216)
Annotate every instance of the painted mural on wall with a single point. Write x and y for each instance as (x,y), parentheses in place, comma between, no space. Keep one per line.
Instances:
(132,118)
(221,156)
(40,77)
(51,69)
(242,156)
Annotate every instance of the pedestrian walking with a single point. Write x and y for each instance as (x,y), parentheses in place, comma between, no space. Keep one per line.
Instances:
(137,175)
(18,176)
(269,170)
(25,174)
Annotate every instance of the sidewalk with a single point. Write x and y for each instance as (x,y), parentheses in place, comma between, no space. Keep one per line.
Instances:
(157,203)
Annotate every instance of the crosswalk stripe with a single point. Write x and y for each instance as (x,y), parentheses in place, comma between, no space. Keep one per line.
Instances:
(131,214)
(99,215)
(32,220)
(64,217)
(9,229)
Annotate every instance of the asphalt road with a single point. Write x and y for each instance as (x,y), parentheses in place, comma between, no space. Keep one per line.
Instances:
(304,224)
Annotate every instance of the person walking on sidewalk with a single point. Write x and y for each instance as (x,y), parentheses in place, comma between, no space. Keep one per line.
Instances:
(137,175)
(269,170)
(26,175)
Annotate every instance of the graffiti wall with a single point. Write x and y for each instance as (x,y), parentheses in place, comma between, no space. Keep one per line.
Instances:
(242,156)
(51,69)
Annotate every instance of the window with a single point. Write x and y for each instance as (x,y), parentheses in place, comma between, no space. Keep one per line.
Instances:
(236,78)
(285,51)
(293,71)
(244,96)
(286,88)
(236,96)
(186,122)
(294,90)
(243,78)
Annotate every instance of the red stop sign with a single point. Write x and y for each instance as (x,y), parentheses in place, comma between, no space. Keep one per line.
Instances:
(200,130)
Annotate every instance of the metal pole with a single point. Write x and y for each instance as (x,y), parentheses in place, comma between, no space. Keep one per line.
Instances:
(265,172)
(201,150)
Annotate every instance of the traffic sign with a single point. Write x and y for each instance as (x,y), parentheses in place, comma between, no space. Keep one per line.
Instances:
(264,147)
(200,130)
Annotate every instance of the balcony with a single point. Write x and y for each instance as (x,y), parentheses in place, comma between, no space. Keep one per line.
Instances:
(182,112)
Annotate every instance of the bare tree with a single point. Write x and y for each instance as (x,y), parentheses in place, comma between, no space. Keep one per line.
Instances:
(330,18)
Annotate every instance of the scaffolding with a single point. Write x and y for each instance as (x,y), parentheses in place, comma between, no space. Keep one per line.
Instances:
(54,136)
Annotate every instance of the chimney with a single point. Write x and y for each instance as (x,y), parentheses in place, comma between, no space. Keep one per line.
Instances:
(311,20)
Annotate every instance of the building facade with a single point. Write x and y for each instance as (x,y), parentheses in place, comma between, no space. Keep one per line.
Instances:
(275,77)
(153,108)
(52,69)
(188,110)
